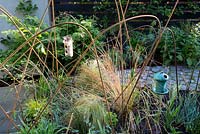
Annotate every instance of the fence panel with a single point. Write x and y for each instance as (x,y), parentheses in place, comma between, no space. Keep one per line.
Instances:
(77,7)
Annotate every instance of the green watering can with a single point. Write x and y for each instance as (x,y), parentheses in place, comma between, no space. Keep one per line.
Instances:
(160,80)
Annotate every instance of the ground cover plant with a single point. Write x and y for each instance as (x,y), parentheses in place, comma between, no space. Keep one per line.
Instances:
(90,93)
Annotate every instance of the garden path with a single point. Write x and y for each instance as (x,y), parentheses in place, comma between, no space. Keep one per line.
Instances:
(184,77)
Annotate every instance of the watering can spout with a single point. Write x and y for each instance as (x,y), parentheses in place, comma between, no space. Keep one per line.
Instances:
(159,86)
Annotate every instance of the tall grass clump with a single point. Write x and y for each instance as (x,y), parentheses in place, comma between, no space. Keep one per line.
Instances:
(143,105)
(88,115)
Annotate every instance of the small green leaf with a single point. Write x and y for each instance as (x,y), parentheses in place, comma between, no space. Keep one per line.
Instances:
(41,49)
(180,58)
(189,61)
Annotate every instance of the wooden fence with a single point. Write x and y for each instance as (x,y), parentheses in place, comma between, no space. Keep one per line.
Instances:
(187,10)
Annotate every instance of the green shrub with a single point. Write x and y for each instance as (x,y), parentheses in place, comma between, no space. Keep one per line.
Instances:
(80,37)
(13,39)
(187,47)
(33,108)
(186,39)
(43,127)
(26,7)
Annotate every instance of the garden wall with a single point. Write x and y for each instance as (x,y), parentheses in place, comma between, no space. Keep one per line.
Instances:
(10,6)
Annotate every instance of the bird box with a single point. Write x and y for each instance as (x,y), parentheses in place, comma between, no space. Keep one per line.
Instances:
(68,45)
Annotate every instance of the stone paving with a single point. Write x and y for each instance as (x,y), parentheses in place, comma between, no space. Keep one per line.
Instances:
(184,77)
(9,102)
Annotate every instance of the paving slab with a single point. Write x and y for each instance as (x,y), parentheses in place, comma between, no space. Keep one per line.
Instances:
(9,103)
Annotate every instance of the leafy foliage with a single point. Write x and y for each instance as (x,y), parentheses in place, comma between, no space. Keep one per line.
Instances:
(43,127)
(187,47)
(26,7)
(14,38)
(89,115)
(32,109)
(182,112)
(80,37)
